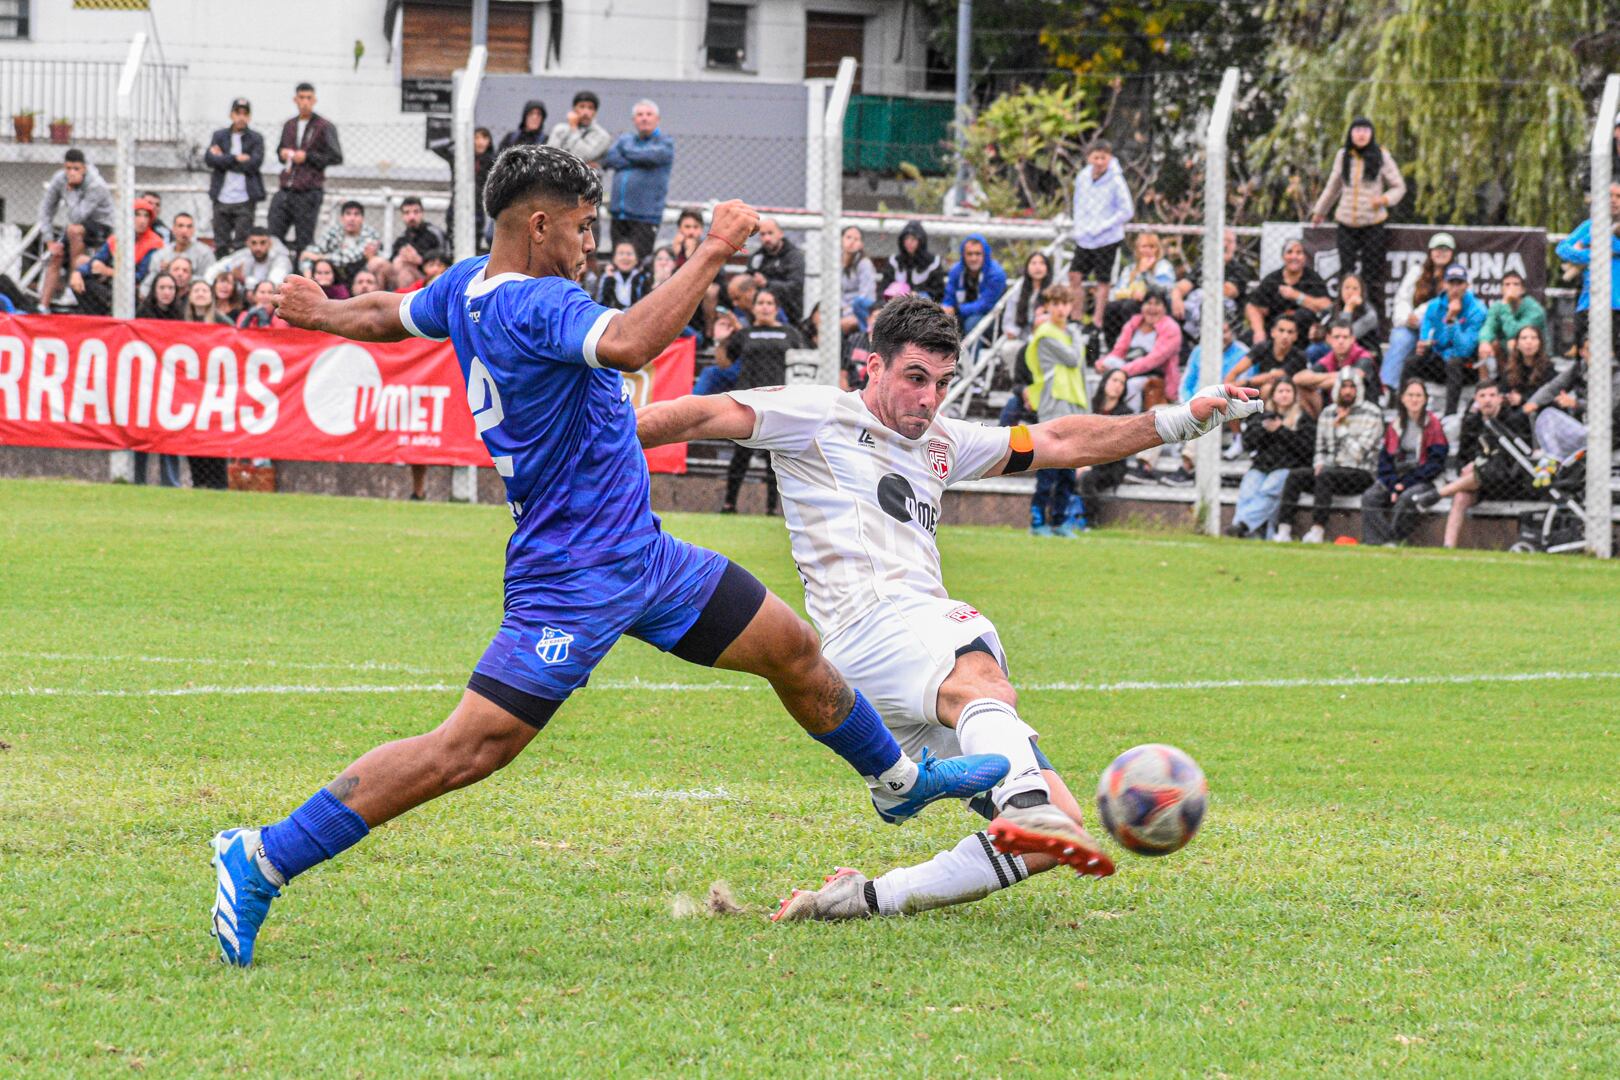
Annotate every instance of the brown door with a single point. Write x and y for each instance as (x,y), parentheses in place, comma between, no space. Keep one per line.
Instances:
(828,38)
(436,37)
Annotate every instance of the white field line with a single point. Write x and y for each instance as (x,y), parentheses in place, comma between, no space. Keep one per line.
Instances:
(224,661)
(703,688)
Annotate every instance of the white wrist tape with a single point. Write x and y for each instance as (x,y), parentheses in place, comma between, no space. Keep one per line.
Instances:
(1177,424)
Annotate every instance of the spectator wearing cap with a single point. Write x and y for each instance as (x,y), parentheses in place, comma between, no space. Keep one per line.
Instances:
(579,133)
(641,160)
(403,265)
(1448,343)
(348,243)
(92,280)
(1233,352)
(1506,318)
(1420,285)
(1362,185)
(308,147)
(1149,347)
(78,190)
(235,156)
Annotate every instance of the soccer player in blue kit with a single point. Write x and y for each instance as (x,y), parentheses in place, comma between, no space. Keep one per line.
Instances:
(588,561)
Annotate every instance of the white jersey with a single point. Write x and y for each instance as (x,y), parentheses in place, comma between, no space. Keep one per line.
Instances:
(862,502)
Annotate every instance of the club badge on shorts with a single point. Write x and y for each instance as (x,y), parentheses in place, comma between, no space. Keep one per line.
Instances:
(552,648)
(962,613)
(939,458)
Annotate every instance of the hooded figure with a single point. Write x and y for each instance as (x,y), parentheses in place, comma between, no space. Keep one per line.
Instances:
(974,292)
(527,134)
(921,271)
(1350,440)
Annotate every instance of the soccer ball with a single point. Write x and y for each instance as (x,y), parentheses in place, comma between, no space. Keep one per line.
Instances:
(1152,799)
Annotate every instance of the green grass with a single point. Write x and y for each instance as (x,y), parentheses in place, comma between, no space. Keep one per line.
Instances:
(1407,879)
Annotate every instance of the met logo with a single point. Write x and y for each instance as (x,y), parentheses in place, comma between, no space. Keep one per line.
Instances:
(552,648)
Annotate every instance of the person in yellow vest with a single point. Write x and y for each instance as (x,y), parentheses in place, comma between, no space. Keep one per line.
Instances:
(1057,387)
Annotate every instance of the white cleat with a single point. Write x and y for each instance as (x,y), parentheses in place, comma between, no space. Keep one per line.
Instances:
(842,897)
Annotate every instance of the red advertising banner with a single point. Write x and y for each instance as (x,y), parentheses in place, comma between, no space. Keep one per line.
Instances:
(81,383)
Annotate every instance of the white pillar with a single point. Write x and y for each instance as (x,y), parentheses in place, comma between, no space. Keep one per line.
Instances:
(121,463)
(1600,326)
(832,210)
(1207,452)
(464,209)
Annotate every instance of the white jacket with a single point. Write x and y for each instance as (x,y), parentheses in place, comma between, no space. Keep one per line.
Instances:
(1101,207)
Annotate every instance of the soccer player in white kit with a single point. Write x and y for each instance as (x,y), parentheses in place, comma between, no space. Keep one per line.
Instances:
(861,476)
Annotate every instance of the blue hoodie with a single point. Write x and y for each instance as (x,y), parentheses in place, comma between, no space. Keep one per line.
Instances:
(1458,340)
(1577,249)
(641,168)
(992,283)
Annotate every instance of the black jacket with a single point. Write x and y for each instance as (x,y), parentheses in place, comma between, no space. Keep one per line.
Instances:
(760,353)
(1285,448)
(923,271)
(1478,439)
(519,137)
(784,276)
(223,162)
(638,284)
(424,238)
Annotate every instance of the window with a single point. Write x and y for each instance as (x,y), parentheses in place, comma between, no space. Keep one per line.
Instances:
(725,36)
(436,35)
(13,18)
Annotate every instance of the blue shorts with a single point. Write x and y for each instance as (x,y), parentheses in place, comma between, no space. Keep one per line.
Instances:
(674,596)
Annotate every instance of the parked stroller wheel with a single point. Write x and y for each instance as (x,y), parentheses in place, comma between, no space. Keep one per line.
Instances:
(1522,548)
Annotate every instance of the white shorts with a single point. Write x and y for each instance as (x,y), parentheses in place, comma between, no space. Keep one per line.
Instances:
(898,654)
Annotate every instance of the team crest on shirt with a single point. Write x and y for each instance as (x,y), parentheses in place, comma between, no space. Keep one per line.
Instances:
(939,458)
(552,648)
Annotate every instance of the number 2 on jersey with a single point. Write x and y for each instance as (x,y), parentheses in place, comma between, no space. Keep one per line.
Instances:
(485,402)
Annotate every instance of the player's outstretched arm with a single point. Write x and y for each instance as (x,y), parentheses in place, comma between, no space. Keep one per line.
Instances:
(1074,441)
(634,339)
(372,317)
(719,416)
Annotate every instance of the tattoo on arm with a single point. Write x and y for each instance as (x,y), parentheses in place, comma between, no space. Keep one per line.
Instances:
(343,787)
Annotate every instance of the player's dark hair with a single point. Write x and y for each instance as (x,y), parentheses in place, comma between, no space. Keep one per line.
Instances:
(546,172)
(351,205)
(410,200)
(917,320)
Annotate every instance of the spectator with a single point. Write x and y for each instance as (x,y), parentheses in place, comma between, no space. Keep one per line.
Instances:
(1363,184)
(1526,369)
(263,259)
(663,267)
(483,161)
(857,280)
(1351,305)
(1057,387)
(1412,459)
(1278,357)
(179,268)
(641,161)
(164,300)
(308,147)
(1576,249)
(1448,343)
(1344,351)
(1149,270)
(1232,353)
(975,283)
(688,236)
(364,282)
(919,269)
(1560,412)
(235,156)
(1102,208)
(1420,285)
(324,274)
(92,281)
(1280,440)
(434,263)
(531,129)
(262,314)
(198,305)
(580,134)
(1505,318)
(228,297)
(1148,348)
(1097,480)
(159,226)
(1489,470)
(77,189)
(1018,314)
(625,282)
(1187,297)
(348,243)
(403,266)
(183,242)
(720,376)
(779,266)
(760,353)
(740,290)
(1293,289)
(1347,442)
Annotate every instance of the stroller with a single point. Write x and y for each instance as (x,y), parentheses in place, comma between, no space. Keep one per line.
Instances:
(1561,525)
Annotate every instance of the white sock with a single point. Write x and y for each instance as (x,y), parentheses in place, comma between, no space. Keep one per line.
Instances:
(897,779)
(970,871)
(988,726)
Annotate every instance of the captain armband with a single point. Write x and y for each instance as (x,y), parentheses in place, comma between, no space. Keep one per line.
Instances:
(1022,447)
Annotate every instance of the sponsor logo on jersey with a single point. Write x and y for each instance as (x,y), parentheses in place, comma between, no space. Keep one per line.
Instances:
(865,438)
(899,500)
(552,648)
(939,458)
(962,613)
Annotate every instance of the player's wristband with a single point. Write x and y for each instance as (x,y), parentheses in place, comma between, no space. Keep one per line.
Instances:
(735,250)
(1022,451)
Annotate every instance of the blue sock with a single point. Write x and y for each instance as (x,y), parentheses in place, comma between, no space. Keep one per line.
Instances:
(319,830)
(863,740)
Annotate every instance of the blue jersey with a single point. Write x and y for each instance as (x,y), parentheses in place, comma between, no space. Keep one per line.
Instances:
(560,428)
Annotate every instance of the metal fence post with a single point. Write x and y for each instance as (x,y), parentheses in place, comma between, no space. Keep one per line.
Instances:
(121,463)
(1212,317)
(1600,333)
(832,211)
(464,211)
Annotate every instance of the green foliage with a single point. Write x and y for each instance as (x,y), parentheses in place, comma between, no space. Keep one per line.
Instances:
(1024,146)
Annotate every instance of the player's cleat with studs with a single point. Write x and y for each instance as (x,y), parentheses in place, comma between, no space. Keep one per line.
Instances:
(843,896)
(1043,829)
(242,894)
(943,778)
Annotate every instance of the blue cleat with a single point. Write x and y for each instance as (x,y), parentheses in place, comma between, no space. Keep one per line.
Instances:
(945,778)
(242,898)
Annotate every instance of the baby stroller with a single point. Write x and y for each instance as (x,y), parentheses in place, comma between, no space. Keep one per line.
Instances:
(1561,525)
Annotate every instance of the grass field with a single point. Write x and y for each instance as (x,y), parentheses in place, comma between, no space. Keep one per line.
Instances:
(1396,878)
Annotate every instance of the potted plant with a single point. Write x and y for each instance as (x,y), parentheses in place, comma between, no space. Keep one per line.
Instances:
(61,130)
(22,125)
